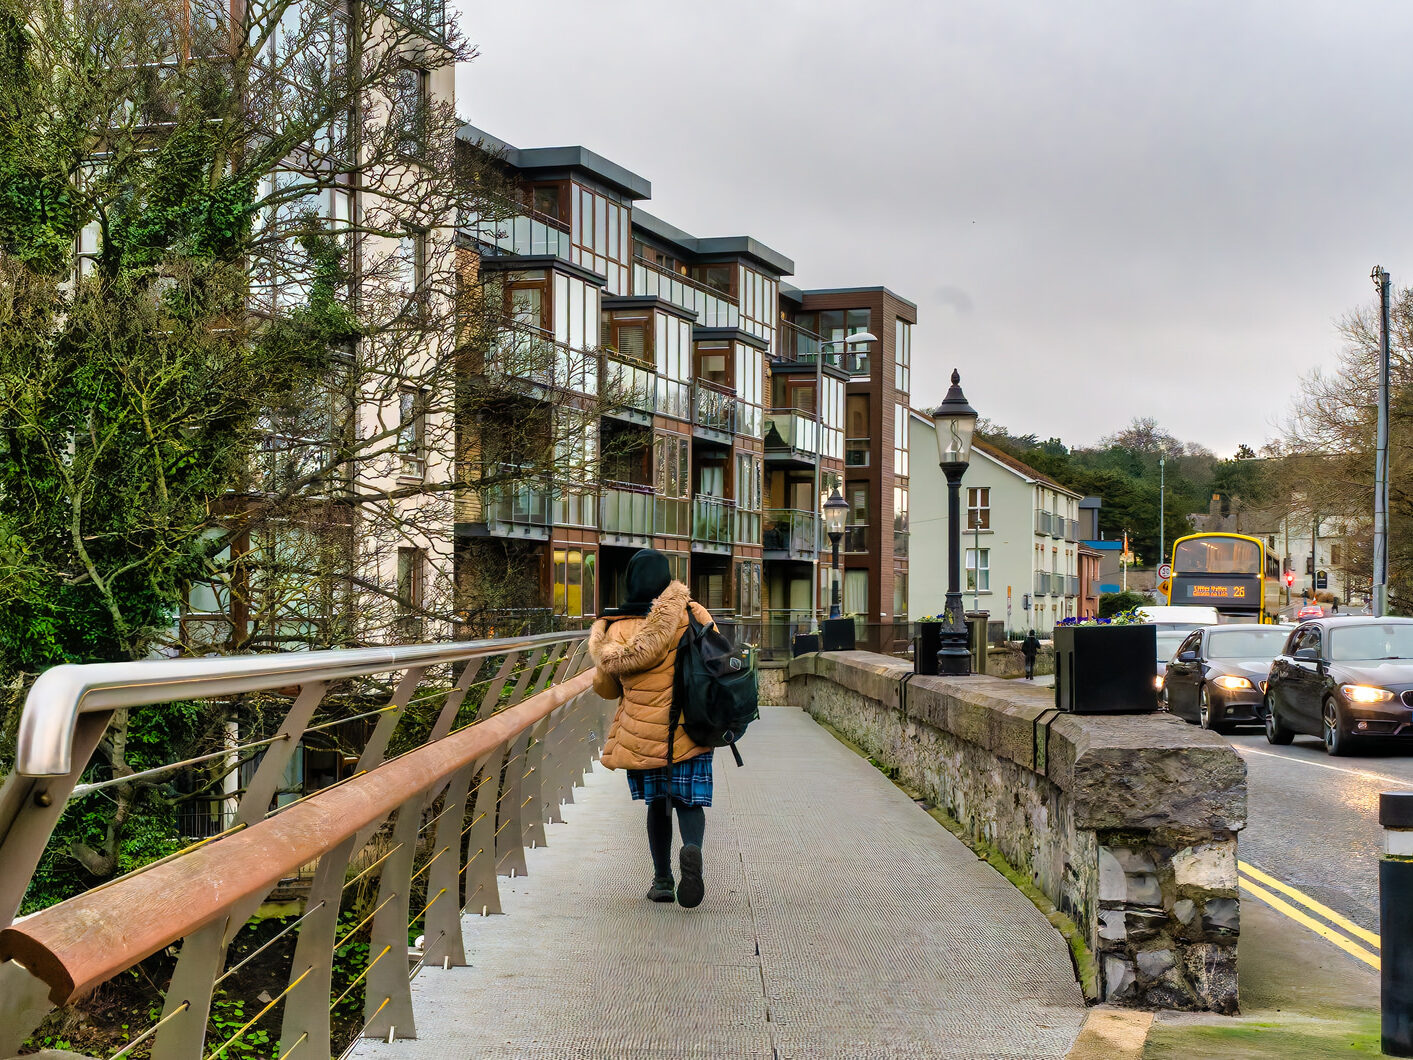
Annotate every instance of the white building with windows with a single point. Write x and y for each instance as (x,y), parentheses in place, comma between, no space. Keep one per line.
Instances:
(1020,531)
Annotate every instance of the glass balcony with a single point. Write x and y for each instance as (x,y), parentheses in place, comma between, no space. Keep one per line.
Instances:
(856,452)
(794,433)
(1057,585)
(673,516)
(1042,583)
(523,234)
(855,538)
(627,510)
(1042,522)
(713,309)
(1057,526)
(517,508)
(789,530)
(747,527)
(1072,530)
(629,385)
(900,543)
(674,399)
(1071,586)
(713,521)
(714,408)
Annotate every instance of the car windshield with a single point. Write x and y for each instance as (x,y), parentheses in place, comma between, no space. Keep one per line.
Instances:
(1168,643)
(1373,640)
(1246,643)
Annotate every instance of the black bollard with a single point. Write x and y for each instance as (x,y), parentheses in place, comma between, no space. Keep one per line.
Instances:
(1396,922)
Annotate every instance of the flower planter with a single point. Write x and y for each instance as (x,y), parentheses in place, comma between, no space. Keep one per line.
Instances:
(925,645)
(804,643)
(1105,669)
(838,634)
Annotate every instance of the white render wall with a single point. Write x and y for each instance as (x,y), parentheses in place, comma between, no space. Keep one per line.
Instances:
(1011,539)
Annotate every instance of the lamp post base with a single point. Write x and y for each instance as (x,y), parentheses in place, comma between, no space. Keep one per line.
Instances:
(953,657)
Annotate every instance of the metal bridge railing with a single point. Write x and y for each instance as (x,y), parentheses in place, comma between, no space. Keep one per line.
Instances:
(515,726)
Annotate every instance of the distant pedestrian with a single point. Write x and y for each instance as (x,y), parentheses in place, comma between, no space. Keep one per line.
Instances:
(635,650)
(1334,608)
(1030,647)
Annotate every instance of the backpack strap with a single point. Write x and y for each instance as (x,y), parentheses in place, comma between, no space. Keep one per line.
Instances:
(736,754)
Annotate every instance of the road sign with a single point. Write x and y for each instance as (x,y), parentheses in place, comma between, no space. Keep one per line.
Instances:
(1165,571)
(1322,580)
(1126,557)
(1165,587)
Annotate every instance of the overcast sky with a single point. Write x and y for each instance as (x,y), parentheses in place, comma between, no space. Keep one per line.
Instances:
(1102,210)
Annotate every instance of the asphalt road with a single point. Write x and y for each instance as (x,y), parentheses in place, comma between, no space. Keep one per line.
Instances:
(1313,820)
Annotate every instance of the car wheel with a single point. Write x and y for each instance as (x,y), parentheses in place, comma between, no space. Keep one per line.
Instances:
(1332,729)
(1276,732)
(1204,711)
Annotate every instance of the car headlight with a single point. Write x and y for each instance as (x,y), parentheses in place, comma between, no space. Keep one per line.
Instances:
(1365,694)
(1233,683)
(1158,681)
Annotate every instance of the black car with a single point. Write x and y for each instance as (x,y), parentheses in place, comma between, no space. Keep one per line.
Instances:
(1217,675)
(1341,678)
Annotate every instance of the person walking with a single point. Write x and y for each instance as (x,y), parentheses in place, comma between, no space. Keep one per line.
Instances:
(635,652)
(1030,647)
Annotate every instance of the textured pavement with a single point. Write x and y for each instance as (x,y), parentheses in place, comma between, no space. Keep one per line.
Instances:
(840,920)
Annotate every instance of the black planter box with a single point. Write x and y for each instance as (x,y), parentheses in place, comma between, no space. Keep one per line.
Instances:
(925,645)
(804,643)
(838,634)
(1105,669)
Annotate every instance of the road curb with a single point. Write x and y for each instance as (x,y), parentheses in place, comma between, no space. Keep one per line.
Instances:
(1112,1034)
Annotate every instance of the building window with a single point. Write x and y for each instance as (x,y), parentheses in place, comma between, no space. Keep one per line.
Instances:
(978,576)
(409,110)
(410,602)
(978,507)
(856,592)
(903,355)
(574,582)
(900,440)
(748,602)
(900,594)
(411,431)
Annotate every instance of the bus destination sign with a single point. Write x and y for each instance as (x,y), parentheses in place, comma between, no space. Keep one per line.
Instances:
(1234,593)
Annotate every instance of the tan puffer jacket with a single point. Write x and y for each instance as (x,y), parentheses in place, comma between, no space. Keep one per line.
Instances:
(635,659)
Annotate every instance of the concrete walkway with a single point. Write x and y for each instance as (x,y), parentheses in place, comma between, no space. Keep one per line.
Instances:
(840,920)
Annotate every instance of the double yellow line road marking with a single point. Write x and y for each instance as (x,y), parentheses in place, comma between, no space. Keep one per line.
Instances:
(1336,928)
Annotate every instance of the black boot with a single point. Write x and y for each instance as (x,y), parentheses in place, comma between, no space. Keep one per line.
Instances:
(661,890)
(691,889)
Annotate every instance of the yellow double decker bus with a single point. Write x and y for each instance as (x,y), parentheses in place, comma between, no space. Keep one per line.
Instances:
(1234,573)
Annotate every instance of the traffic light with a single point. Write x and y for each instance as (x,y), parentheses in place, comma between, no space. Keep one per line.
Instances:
(1289,578)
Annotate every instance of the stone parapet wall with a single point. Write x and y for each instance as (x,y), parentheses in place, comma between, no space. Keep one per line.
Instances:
(1006,660)
(1127,823)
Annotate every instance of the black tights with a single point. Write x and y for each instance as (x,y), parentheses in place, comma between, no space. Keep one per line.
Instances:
(691,822)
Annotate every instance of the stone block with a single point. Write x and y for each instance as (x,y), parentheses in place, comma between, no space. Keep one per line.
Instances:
(1209,866)
(1145,924)
(1112,925)
(1221,914)
(1119,979)
(1153,963)
(1185,909)
(1113,887)
(1144,889)
(1211,968)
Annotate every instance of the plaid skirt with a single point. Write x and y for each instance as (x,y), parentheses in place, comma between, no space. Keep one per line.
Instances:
(689,783)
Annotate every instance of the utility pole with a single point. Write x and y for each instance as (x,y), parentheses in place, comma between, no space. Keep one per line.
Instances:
(1380,601)
(1314,557)
(1162,505)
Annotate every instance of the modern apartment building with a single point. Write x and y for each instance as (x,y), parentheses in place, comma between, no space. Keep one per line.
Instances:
(697,404)
(1021,553)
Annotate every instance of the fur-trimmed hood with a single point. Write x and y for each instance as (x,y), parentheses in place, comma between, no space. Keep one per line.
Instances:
(632,645)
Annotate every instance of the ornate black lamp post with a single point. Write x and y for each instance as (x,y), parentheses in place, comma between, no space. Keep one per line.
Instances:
(836,509)
(954,420)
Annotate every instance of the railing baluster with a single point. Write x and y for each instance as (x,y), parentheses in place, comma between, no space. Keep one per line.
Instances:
(443,926)
(492,697)
(203,953)
(533,783)
(24,1002)
(531,664)
(555,772)
(482,891)
(377,745)
(387,945)
(307,1006)
(510,828)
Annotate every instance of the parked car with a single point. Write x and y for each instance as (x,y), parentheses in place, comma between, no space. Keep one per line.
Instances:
(1342,678)
(1170,618)
(1217,675)
(1168,642)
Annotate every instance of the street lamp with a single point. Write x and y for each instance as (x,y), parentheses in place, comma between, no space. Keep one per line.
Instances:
(848,340)
(836,509)
(954,420)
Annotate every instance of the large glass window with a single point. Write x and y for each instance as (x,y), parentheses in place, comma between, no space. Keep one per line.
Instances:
(900,440)
(750,386)
(574,582)
(408,112)
(902,355)
(856,592)
(978,565)
(978,507)
(1217,555)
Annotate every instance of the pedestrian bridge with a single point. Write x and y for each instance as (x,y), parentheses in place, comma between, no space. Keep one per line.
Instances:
(475,887)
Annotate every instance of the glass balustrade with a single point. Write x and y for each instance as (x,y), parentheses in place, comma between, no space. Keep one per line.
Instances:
(793,432)
(715,408)
(627,510)
(674,399)
(713,520)
(1042,583)
(789,530)
(1042,522)
(630,385)
(522,503)
(712,309)
(521,234)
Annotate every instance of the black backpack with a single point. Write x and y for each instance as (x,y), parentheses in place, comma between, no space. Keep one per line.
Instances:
(714,691)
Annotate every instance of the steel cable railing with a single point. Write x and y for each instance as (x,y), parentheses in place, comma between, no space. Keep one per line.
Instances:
(492,770)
